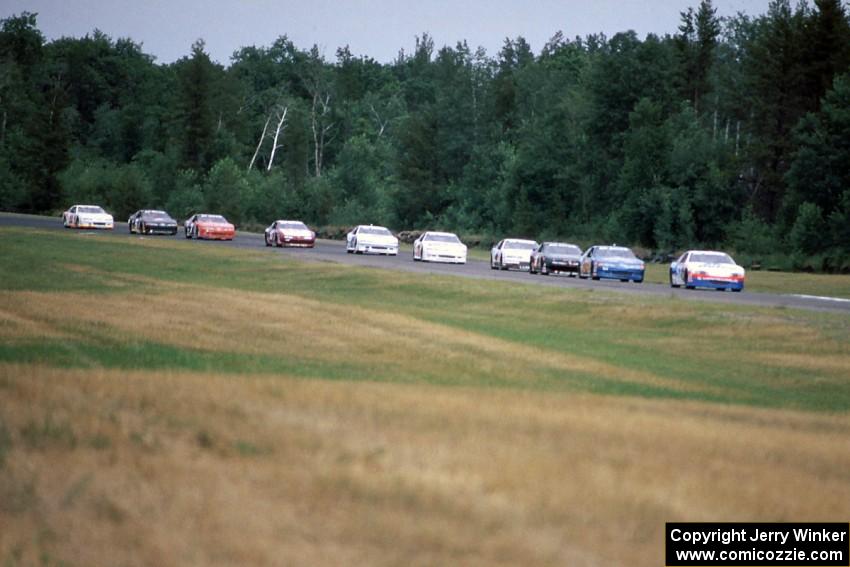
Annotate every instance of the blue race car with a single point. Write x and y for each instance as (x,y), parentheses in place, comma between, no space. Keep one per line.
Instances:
(611,262)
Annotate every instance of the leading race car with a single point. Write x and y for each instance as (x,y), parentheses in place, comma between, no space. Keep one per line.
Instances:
(87,216)
(707,268)
(512,253)
(369,239)
(555,258)
(439,247)
(290,233)
(611,262)
(214,227)
(151,222)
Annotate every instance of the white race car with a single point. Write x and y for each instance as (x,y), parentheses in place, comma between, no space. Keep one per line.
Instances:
(369,239)
(512,253)
(706,268)
(439,247)
(87,216)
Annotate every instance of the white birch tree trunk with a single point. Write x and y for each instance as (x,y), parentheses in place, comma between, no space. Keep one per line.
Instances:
(260,142)
(280,125)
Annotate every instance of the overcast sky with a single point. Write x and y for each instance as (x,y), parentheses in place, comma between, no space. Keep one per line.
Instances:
(376,28)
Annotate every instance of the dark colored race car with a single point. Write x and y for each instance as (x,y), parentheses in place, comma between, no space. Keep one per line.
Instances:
(555,258)
(151,222)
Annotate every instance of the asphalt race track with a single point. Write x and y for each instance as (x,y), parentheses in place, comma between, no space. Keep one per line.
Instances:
(334,251)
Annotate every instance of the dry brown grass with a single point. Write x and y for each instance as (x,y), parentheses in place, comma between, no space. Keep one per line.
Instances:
(168,467)
(284,325)
(190,469)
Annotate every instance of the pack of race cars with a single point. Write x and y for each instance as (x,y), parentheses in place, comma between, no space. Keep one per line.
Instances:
(693,269)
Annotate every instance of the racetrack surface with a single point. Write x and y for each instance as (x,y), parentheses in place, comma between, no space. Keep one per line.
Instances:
(334,251)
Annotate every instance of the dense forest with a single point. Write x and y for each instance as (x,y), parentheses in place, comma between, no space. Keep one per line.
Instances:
(732,132)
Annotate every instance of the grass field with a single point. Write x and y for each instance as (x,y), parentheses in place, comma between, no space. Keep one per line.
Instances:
(167,403)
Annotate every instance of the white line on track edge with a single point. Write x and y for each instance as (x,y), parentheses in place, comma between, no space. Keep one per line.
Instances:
(821,298)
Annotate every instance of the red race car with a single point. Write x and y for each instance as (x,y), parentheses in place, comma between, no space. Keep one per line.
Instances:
(214,227)
(290,233)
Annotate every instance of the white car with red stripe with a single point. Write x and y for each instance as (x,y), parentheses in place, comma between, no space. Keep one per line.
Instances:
(708,269)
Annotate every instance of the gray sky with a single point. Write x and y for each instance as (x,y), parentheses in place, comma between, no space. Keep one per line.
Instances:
(377,28)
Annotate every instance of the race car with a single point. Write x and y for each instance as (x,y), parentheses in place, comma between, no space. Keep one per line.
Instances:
(512,253)
(555,258)
(611,262)
(214,227)
(439,247)
(289,233)
(706,268)
(87,216)
(369,239)
(151,222)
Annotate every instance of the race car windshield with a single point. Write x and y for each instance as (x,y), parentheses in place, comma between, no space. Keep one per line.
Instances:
(293,225)
(520,245)
(375,230)
(442,238)
(158,217)
(92,210)
(712,258)
(563,249)
(616,253)
(214,219)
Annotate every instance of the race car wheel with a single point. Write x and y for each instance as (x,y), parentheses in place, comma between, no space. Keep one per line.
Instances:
(492,263)
(266,238)
(671,281)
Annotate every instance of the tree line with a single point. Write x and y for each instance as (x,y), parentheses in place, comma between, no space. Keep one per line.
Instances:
(733,132)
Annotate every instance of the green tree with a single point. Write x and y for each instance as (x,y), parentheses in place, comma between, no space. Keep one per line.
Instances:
(187,197)
(820,169)
(226,189)
(196,82)
(807,233)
